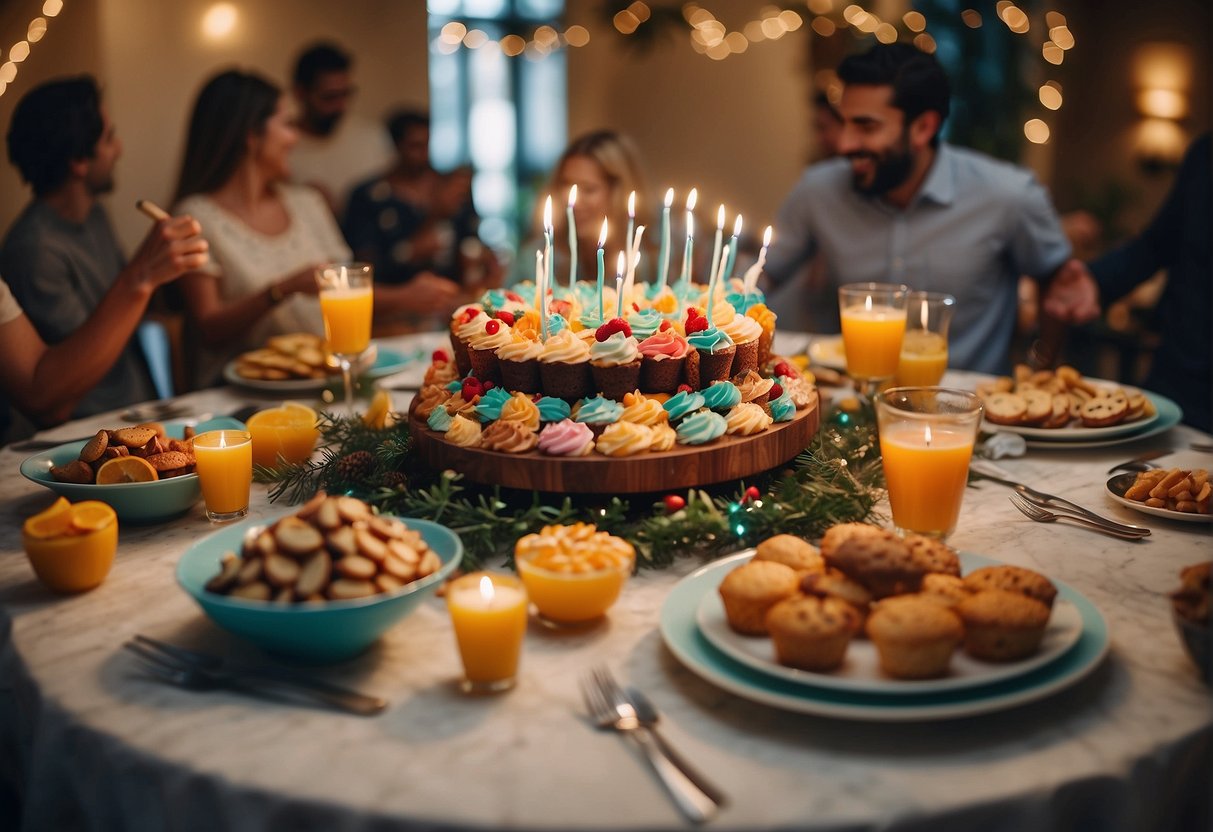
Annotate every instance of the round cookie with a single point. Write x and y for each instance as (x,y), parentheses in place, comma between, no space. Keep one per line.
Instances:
(914,636)
(791,551)
(1013,579)
(1002,626)
(753,588)
(811,633)
(1006,408)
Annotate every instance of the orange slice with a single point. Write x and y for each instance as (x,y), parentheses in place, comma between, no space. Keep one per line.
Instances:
(92,515)
(378,412)
(286,415)
(52,522)
(126,469)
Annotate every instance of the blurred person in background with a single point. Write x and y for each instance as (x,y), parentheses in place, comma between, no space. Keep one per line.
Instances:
(605,166)
(266,235)
(337,148)
(72,287)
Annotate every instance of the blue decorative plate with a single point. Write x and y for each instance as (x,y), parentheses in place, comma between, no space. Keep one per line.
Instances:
(684,639)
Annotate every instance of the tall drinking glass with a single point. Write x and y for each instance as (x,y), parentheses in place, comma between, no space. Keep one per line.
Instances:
(924,349)
(346,304)
(873,323)
(926,442)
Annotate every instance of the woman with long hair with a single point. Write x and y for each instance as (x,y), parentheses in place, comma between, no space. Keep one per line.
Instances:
(605,167)
(266,235)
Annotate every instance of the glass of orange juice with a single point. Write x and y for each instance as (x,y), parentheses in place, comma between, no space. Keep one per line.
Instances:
(873,322)
(926,442)
(288,432)
(346,305)
(225,472)
(924,349)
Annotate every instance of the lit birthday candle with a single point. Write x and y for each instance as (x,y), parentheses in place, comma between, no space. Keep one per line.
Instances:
(716,244)
(572,238)
(629,278)
(601,266)
(713,282)
(690,246)
(751,276)
(733,245)
(664,257)
(619,286)
(549,280)
(627,241)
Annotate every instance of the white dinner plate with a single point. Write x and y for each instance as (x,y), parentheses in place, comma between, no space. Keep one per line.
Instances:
(1119,484)
(386,363)
(828,351)
(861,669)
(681,634)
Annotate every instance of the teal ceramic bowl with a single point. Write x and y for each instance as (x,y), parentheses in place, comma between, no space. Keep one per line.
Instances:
(134,502)
(314,632)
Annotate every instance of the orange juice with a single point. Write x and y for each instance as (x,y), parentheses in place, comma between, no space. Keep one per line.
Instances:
(573,597)
(489,615)
(347,319)
(926,468)
(72,547)
(924,359)
(288,431)
(225,472)
(872,336)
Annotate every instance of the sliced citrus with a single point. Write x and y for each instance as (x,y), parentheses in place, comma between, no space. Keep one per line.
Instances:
(286,415)
(122,469)
(92,516)
(50,523)
(288,430)
(376,415)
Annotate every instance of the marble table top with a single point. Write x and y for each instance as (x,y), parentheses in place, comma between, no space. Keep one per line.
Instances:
(94,742)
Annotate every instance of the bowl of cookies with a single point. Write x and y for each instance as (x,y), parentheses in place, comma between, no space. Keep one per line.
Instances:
(144,472)
(1190,610)
(320,583)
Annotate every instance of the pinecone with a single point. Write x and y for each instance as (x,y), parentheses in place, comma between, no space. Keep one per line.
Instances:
(355,467)
(395,479)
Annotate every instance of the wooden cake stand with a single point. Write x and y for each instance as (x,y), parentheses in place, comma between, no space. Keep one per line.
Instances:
(685,466)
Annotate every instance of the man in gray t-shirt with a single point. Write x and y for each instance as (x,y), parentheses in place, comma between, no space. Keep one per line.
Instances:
(60,257)
(902,207)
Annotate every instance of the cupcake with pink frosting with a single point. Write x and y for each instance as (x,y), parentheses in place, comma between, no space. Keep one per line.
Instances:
(663,358)
(465,323)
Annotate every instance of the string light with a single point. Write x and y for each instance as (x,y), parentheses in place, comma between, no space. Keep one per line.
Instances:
(20,50)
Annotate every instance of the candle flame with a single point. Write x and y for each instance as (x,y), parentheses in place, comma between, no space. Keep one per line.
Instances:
(927,435)
(690,225)
(720,217)
(632,204)
(737,226)
(222,439)
(669,197)
(692,198)
(486,589)
(867,303)
(923,315)
(620,261)
(572,196)
(766,237)
(602,237)
(547,213)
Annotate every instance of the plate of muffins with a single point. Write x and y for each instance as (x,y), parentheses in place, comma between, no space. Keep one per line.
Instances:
(873,626)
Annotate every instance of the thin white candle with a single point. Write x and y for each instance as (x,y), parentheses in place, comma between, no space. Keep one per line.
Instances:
(713,284)
(716,244)
(572,238)
(601,254)
(665,238)
(690,246)
(629,280)
(627,242)
(732,258)
(751,276)
(619,286)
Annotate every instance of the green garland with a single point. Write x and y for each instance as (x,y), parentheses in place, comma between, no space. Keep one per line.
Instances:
(836,479)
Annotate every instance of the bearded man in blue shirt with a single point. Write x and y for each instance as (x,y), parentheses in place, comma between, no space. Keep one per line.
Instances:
(899,205)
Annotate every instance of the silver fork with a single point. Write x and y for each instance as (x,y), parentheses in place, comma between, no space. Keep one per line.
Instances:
(620,715)
(1052,501)
(1041,515)
(193,677)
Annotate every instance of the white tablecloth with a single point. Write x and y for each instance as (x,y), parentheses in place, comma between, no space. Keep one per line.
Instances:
(87,741)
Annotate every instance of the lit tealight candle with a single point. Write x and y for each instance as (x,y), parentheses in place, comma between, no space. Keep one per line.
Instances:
(489,614)
(224,462)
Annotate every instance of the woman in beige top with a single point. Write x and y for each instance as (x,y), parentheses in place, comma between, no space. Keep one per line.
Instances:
(45,382)
(266,236)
